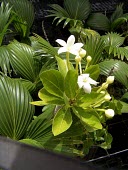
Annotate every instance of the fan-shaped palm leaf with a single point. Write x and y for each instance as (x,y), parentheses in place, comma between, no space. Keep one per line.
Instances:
(5,20)
(113,39)
(117,68)
(94,47)
(78,9)
(16,112)
(74,12)
(22,60)
(4,60)
(98,21)
(117,13)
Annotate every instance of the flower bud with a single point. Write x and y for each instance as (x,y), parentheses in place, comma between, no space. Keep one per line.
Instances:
(109,113)
(107,97)
(82,53)
(110,79)
(77,59)
(89,58)
(104,86)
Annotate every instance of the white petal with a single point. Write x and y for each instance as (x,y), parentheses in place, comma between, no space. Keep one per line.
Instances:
(91,81)
(62,50)
(61,42)
(73,51)
(80,78)
(70,41)
(87,88)
(80,84)
(85,76)
(77,46)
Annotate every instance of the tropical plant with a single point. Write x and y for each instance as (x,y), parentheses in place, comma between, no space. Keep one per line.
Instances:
(23,12)
(80,16)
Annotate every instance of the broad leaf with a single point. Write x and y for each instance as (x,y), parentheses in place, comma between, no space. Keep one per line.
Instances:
(71,84)
(53,82)
(98,21)
(94,47)
(89,118)
(49,98)
(16,112)
(117,68)
(22,60)
(93,71)
(62,121)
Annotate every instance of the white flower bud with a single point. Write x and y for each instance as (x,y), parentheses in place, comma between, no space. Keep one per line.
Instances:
(104,86)
(89,58)
(78,59)
(110,79)
(109,113)
(82,53)
(107,97)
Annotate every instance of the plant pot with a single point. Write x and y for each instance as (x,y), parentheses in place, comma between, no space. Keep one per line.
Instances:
(18,156)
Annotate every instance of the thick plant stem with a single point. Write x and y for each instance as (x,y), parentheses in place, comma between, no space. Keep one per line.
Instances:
(67,59)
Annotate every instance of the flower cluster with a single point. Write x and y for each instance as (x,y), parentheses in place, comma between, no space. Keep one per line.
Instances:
(84,80)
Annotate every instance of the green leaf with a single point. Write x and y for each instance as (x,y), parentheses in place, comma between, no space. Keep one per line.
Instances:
(16,112)
(71,84)
(24,15)
(89,118)
(92,99)
(117,68)
(48,98)
(94,47)
(62,121)
(22,60)
(62,66)
(93,71)
(78,10)
(53,82)
(31,142)
(98,21)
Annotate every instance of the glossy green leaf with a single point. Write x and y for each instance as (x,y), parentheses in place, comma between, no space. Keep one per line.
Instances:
(62,66)
(88,117)
(117,68)
(98,21)
(49,98)
(93,71)
(62,121)
(71,84)
(22,60)
(16,112)
(53,82)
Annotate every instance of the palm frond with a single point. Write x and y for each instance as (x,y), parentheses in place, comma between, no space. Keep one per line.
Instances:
(113,39)
(5,11)
(4,60)
(98,21)
(16,112)
(22,60)
(45,46)
(78,9)
(94,47)
(117,68)
(117,13)
(24,12)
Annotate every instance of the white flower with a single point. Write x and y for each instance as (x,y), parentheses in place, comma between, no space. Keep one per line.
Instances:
(109,113)
(82,53)
(70,46)
(84,82)
(110,79)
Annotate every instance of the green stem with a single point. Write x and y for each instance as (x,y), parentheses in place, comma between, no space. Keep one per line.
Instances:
(77,67)
(67,59)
